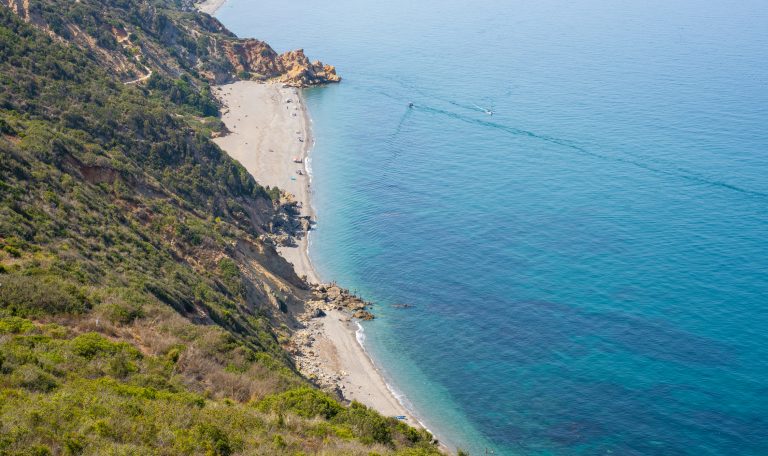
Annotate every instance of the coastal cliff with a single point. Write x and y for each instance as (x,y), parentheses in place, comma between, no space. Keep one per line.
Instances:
(254,59)
(143,306)
(138,39)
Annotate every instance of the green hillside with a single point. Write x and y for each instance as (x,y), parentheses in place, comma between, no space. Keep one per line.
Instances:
(140,310)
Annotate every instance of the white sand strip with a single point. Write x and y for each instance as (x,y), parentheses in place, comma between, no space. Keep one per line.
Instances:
(361,380)
(210,6)
(270,127)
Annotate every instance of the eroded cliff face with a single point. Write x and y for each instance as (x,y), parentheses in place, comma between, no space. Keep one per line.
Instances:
(138,38)
(20,7)
(255,59)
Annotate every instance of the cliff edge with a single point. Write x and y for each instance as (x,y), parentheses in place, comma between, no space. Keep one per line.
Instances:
(254,59)
(137,39)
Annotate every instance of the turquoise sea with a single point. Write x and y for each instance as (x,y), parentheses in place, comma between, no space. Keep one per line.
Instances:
(588,266)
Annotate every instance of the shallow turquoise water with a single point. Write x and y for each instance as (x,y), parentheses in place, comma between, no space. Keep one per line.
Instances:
(589,265)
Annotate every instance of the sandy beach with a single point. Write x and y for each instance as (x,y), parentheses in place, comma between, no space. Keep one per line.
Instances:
(270,128)
(210,6)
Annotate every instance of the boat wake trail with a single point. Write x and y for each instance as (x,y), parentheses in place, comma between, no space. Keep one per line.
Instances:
(642,162)
(474,107)
(400,124)
(392,139)
(636,161)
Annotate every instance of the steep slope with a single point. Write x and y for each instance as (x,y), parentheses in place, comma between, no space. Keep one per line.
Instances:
(139,38)
(140,309)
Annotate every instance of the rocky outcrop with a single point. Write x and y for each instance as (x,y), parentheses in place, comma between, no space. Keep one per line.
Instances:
(254,57)
(308,344)
(363,315)
(137,39)
(300,72)
(257,60)
(332,297)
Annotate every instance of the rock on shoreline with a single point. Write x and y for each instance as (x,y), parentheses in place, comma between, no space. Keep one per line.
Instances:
(255,59)
(331,296)
(305,342)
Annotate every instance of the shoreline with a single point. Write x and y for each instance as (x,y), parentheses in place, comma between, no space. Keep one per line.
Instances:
(269,126)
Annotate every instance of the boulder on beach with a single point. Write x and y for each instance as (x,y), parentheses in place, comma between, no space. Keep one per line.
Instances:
(363,315)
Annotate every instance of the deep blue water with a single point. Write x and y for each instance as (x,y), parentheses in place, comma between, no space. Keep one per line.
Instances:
(589,265)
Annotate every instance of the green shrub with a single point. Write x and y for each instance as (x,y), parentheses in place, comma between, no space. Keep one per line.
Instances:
(412,434)
(229,269)
(15,252)
(123,313)
(15,325)
(367,424)
(209,438)
(278,441)
(39,450)
(6,128)
(74,444)
(40,295)
(122,305)
(305,402)
(120,366)
(33,378)
(91,345)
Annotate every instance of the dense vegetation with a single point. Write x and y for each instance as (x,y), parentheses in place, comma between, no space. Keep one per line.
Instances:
(128,35)
(140,311)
